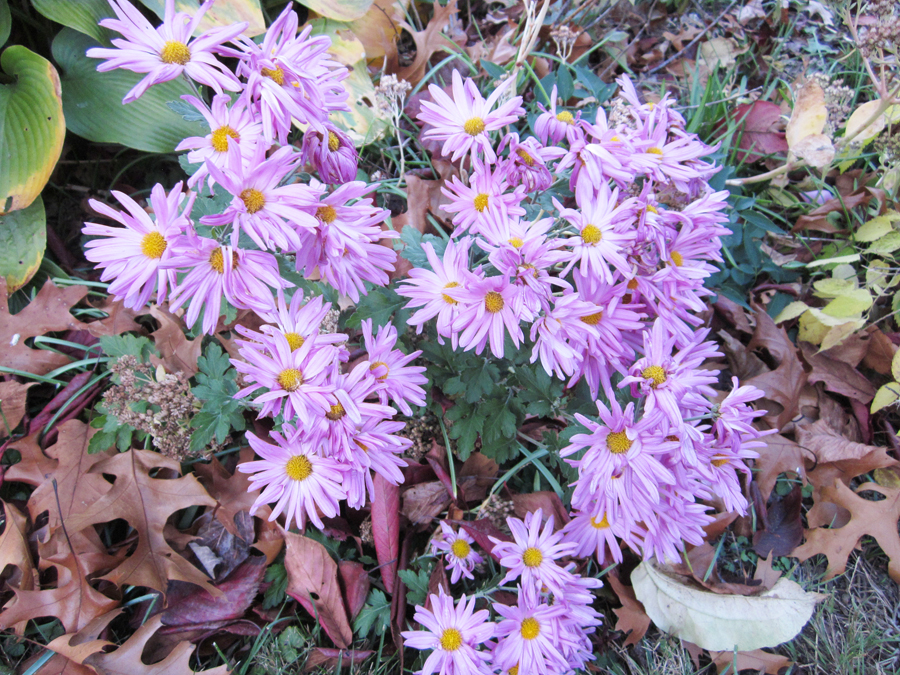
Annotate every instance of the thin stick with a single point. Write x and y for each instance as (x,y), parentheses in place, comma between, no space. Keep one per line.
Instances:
(694,41)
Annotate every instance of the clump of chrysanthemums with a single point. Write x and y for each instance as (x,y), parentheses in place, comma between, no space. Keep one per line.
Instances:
(335,426)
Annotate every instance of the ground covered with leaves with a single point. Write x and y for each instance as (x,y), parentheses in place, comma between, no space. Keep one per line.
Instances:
(127,543)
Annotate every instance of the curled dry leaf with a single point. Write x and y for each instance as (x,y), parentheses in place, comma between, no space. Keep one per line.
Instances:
(548,502)
(313,582)
(631,617)
(424,501)
(837,376)
(783,525)
(322,657)
(177,351)
(723,622)
(12,405)
(878,519)
(428,41)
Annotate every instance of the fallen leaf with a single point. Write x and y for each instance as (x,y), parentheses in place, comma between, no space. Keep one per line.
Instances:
(424,197)
(481,531)
(231,491)
(880,354)
(355,582)
(828,446)
(313,582)
(146,503)
(14,551)
(878,519)
(631,617)
(816,149)
(761,131)
(808,116)
(720,52)
(386,528)
(837,376)
(322,657)
(758,661)
(177,351)
(73,648)
(548,502)
(422,502)
(12,405)
(783,525)
(723,622)
(428,41)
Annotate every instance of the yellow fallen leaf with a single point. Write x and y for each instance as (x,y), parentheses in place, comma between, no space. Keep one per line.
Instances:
(859,117)
(832,288)
(850,304)
(877,227)
(895,366)
(887,395)
(723,622)
(809,115)
(816,149)
(792,311)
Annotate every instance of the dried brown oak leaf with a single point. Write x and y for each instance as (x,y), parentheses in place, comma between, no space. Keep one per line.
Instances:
(631,617)
(47,313)
(14,551)
(146,504)
(778,455)
(177,351)
(313,582)
(877,519)
(74,601)
(781,386)
(428,41)
(73,648)
(12,405)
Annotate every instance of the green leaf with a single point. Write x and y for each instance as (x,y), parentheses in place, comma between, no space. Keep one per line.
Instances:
(874,229)
(276,575)
(220,412)
(376,613)
(413,249)
(188,112)
(82,15)
(32,127)
(895,366)
(5,22)
(363,123)
(222,13)
(467,425)
(886,244)
(416,585)
(492,69)
(379,305)
(137,346)
(564,85)
(93,101)
(23,237)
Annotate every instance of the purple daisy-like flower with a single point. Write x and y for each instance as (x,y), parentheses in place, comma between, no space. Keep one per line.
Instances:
(490,309)
(376,447)
(594,536)
(463,122)
(528,638)
(135,257)
(266,210)
(394,379)
(552,126)
(526,163)
(298,322)
(454,633)
(457,550)
(331,152)
(533,554)
(233,131)
(485,197)
(293,475)
(243,277)
(166,52)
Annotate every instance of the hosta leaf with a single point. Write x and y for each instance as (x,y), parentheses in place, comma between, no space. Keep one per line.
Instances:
(32,127)
(222,13)
(23,236)
(93,101)
(5,22)
(83,16)
(342,10)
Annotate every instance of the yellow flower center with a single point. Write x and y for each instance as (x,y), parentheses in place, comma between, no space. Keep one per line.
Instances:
(719,460)
(602,525)
(516,242)
(528,159)
(276,74)
(153,245)
(676,259)
(615,139)
(337,412)
(217,262)
(381,364)
(451,639)
(290,379)
(474,126)
(298,468)
(632,285)
(219,138)
(652,209)
(514,670)
(175,52)
(447,298)
(326,214)
(530,628)
(481,202)
(493,302)
(591,234)
(592,319)
(565,117)
(532,557)
(294,340)
(618,443)
(655,373)
(253,199)
(655,151)
(460,548)
(334,143)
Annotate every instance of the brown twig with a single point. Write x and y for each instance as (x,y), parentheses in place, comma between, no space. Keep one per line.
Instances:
(694,41)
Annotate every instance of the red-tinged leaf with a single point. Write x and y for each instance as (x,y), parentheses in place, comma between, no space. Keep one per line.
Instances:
(438,580)
(415,473)
(761,131)
(313,582)
(386,529)
(437,459)
(330,658)
(189,604)
(422,502)
(548,502)
(76,383)
(355,581)
(481,531)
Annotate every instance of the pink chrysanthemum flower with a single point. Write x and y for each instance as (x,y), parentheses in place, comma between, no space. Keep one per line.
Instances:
(733,417)
(528,637)
(266,210)
(485,197)
(293,475)
(551,126)
(562,334)
(243,277)
(603,233)
(233,132)
(435,291)
(296,378)
(594,536)
(376,447)
(490,309)
(135,257)
(463,122)
(166,52)
(394,379)
(534,553)
(298,322)
(457,550)
(331,152)
(526,163)
(455,634)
